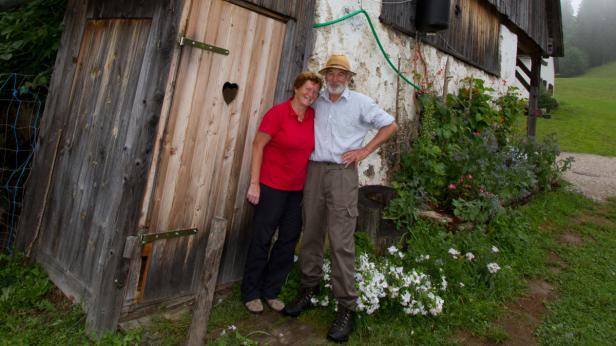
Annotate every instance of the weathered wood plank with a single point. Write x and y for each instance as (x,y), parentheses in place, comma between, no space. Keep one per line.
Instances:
(289,8)
(298,46)
(127,183)
(205,294)
(104,9)
(472,36)
(54,117)
(235,205)
(146,208)
(174,201)
(400,16)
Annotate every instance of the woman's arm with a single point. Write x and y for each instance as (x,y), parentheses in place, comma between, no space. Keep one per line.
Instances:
(254,190)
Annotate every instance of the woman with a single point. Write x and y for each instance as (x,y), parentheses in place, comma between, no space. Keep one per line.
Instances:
(280,153)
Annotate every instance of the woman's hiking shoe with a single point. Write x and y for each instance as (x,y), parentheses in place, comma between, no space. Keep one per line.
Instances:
(254,306)
(275,304)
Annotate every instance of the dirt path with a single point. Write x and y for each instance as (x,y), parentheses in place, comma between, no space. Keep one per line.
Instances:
(592,175)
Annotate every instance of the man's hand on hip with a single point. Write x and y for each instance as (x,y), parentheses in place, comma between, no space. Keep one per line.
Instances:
(354,156)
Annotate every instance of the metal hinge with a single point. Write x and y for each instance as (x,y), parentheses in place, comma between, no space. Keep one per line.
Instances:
(148,238)
(186,41)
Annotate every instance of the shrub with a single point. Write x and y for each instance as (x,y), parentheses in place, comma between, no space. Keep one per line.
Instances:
(30,39)
(546,100)
(466,160)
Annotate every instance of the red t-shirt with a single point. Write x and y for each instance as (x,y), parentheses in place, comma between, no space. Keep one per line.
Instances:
(285,156)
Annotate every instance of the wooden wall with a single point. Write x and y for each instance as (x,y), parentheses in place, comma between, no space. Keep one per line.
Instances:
(95,143)
(98,135)
(472,36)
(540,20)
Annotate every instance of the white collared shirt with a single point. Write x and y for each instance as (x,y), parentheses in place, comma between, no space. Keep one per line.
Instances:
(342,125)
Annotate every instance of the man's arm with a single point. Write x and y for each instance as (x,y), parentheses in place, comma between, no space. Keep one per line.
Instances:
(381,137)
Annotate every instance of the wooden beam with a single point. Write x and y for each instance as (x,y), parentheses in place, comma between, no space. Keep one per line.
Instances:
(205,295)
(522,81)
(519,63)
(533,97)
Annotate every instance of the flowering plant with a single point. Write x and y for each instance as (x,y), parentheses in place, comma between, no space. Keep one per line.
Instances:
(385,281)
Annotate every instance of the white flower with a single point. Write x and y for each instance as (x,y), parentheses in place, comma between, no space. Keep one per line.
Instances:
(392,250)
(314,300)
(223,333)
(295,258)
(494,249)
(232,328)
(406,298)
(493,267)
(453,252)
(401,255)
(461,284)
(443,283)
(422,258)
(469,256)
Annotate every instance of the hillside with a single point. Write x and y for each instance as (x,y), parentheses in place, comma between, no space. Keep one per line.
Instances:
(585,122)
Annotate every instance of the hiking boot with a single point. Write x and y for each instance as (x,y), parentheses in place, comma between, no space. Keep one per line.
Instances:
(254,306)
(342,326)
(275,304)
(302,301)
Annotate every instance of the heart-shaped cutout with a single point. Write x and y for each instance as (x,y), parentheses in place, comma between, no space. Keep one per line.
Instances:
(229,92)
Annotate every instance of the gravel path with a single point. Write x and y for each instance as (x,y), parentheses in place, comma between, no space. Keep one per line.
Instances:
(592,175)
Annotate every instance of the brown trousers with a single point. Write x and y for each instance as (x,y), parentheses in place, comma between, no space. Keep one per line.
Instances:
(330,208)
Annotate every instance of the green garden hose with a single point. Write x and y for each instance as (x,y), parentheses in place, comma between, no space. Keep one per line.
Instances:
(376,37)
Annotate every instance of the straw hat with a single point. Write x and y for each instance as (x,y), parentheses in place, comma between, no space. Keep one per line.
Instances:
(339,61)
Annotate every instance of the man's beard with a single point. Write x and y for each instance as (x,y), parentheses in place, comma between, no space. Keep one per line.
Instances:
(336,90)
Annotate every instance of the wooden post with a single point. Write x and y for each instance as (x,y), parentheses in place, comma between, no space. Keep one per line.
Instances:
(205,294)
(533,97)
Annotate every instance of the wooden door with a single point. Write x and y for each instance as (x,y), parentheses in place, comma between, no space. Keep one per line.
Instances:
(203,168)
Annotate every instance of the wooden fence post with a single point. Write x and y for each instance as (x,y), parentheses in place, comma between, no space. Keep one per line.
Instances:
(209,274)
(533,95)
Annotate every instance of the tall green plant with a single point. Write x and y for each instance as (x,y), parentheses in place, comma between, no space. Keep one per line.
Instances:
(30,39)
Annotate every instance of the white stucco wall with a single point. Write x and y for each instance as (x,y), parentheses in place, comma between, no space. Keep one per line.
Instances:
(375,77)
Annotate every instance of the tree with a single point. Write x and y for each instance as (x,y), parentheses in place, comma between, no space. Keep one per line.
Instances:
(595,32)
(574,62)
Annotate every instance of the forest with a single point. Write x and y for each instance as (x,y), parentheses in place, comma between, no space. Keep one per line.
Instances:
(589,35)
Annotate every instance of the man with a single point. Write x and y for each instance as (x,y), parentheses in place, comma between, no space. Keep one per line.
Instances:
(342,121)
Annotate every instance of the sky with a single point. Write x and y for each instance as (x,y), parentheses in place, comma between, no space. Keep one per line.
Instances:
(576,5)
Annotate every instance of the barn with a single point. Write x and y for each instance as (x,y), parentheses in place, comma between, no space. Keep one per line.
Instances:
(153,105)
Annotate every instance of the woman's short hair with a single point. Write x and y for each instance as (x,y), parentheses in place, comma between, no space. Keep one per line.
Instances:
(307,76)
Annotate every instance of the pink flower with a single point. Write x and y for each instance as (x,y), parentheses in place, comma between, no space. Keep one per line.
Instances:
(470,177)
(461,178)
(452,186)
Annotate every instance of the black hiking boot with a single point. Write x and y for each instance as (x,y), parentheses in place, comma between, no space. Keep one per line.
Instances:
(342,326)
(302,301)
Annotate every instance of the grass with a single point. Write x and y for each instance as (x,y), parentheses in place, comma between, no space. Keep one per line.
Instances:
(32,312)
(585,121)
(585,313)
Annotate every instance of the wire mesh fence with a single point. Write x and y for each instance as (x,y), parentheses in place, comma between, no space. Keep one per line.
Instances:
(20,112)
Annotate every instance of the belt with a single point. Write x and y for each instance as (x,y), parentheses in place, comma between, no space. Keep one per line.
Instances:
(332,164)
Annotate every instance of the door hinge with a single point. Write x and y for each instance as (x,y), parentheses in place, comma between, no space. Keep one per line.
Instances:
(148,238)
(188,42)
